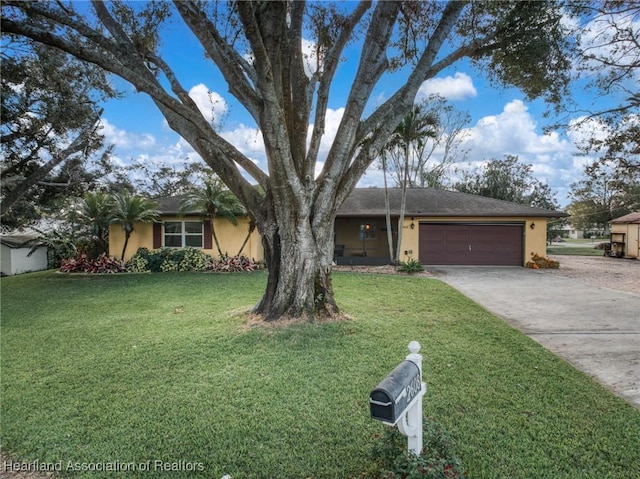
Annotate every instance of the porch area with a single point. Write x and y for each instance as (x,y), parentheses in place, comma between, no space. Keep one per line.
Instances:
(362,241)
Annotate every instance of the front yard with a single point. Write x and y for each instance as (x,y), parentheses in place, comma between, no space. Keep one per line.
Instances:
(163,369)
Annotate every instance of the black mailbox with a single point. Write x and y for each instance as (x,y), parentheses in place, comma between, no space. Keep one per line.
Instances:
(389,400)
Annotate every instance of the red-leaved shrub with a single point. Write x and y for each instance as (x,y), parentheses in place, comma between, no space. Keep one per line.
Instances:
(102,264)
(233,264)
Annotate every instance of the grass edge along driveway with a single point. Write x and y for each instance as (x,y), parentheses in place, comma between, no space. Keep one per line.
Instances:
(135,369)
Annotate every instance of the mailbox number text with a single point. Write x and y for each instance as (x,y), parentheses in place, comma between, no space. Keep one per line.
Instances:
(413,388)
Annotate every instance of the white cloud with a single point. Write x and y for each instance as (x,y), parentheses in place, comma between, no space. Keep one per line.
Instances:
(457,87)
(246,139)
(331,124)
(514,131)
(310,57)
(212,106)
(374,177)
(249,141)
(124,140)
(145,148)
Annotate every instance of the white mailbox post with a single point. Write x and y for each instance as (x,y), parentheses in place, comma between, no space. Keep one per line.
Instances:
(397,400)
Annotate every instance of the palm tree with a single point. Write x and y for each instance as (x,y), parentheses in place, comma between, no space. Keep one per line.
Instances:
(95,212)
(128,209)
(404,147)
(212,201)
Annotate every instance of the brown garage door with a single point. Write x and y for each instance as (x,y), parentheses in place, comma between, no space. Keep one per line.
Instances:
(471,244)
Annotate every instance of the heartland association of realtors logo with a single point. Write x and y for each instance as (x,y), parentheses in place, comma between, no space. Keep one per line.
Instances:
(110,466)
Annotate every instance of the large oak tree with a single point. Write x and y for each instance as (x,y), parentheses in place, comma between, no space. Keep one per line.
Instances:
(50,104)
(258,48)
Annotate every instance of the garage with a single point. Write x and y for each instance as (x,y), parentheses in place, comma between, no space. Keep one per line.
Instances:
(471,243)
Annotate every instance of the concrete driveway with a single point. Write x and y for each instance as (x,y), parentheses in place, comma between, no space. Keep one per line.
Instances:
(595,329)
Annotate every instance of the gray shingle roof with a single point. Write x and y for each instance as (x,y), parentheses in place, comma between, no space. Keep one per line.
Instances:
(170,205)
(17,241)
(420,202)
(435,202)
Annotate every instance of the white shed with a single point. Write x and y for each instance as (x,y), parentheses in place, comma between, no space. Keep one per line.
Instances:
(14,256)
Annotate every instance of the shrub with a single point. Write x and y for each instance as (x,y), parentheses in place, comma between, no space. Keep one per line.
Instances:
(170,259)
(438,459)
(187,259)
(195,260)
(168,265)
(138,264)
(102,264)
(410,266)
(75,264)
(233,264)
(156,257)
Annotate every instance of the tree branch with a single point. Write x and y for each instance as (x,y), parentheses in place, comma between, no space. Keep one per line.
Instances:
(391,110)
(41,140)
(295,86)
(121,58)
(273,122)
(237,71)
(373,63)
(385,119)
(330,66)
(77,145)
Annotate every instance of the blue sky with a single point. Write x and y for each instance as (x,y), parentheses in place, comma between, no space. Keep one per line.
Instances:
(502,121)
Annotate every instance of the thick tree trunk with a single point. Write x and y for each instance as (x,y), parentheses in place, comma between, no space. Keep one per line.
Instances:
(299,261)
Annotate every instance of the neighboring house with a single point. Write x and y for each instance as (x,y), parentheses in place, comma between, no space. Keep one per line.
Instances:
(14,256)
(440,227)
(625,233)
(569,231)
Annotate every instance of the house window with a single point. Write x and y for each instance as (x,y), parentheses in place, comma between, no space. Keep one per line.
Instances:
(178,234)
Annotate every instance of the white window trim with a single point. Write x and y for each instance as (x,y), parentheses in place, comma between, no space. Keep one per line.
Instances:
(183,234)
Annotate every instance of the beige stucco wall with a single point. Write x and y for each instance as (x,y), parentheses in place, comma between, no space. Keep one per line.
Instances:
(535,240)
(230,237)
(142,237)
(632,238)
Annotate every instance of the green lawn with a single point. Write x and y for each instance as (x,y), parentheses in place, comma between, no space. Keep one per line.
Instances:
(574,251)
(576,247)
(136,368)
